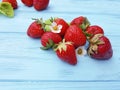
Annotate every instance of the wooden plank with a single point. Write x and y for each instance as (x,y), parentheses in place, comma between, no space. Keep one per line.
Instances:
(59,85)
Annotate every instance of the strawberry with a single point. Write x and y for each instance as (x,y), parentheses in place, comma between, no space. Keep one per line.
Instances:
(81,22)
(12,2)
(40,4)
(92,30)
(36,29)
(75,35)
(28,3)
(64,24)
(49,39)
(100,47)
(57,25)
(66,52)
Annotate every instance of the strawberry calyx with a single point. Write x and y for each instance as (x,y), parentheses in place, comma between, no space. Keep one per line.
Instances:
(94,42)
(40,21)
(85,24)
(88,35)
(95,39)
(52,19)
(49,45)
(48,23)
(51,25)
(62,46)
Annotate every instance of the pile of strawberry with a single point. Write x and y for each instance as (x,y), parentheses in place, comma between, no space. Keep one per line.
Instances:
(38,4)
(67,40)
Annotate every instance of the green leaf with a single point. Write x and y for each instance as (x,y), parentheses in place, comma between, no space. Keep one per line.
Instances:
(6,9)
(85,24)
(49,45)
(87,34)
(48,22)
(47,28)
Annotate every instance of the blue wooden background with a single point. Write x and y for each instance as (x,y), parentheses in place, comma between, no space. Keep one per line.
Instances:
(23,66)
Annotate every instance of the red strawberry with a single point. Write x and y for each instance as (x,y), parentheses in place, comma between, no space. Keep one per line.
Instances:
(49,39)
(75,35)
(66,52)
(100,47)
(36,29)
(81,22)
(64,24)
(40,4)
(92,30)
(13,3)
(28,3)
(57,25)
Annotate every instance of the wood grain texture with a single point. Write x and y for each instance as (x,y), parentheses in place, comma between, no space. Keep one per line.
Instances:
(59,85)
(24,66)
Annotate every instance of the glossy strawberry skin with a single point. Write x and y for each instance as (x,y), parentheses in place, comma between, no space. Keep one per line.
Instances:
(78,21)
(64,24)
(68,56)
(13,3)
(28,3)
(104,51)
(75,35)
(40,4)
(35,30)
(50,36)
(81,22)
(95,29)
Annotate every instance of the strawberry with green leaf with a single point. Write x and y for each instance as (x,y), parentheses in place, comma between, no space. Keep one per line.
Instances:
(36,29)
(49,39)
(81,21)
(57,25)
(93,30)
(100,47)
(66,52)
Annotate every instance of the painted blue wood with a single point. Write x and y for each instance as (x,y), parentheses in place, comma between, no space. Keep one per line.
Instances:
(59,85)
(24,66)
